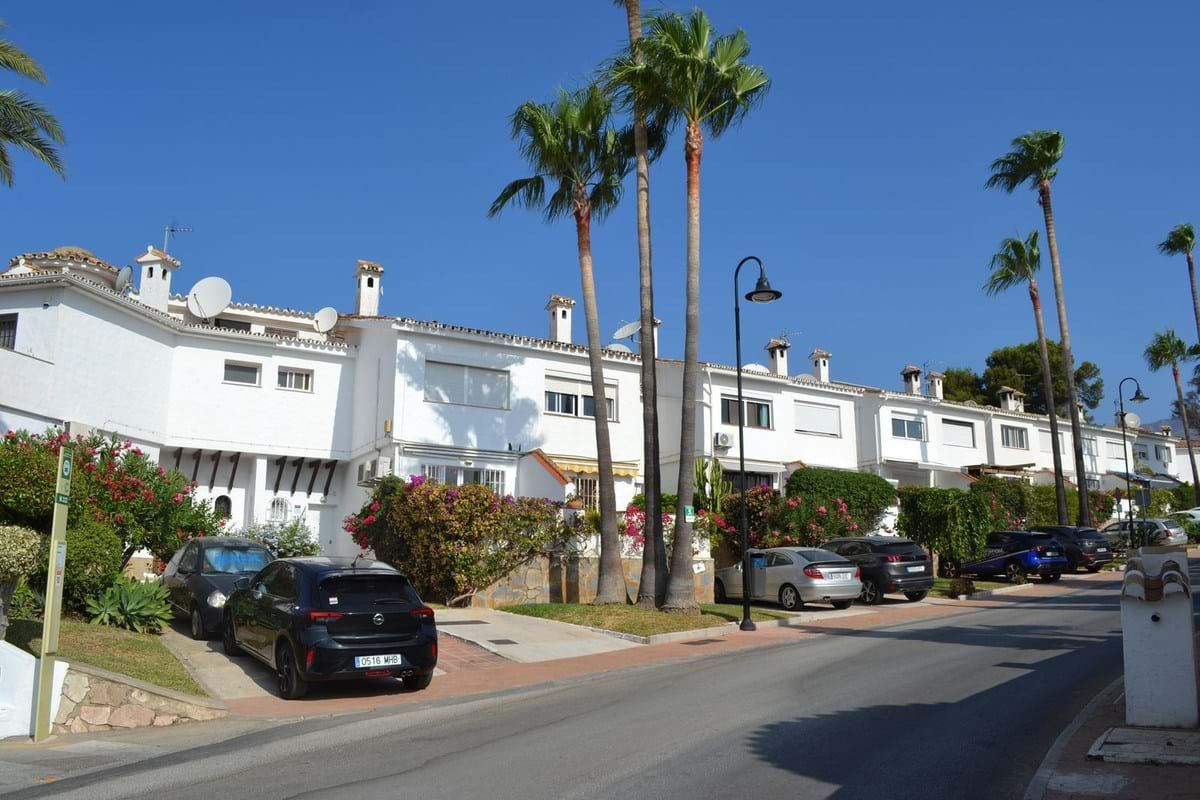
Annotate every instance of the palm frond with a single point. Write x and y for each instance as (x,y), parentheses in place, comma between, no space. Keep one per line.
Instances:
(1016,262)
(1180,241)
(17,111)
(1032,159)
(526,192)
(14,59)
(1166,349)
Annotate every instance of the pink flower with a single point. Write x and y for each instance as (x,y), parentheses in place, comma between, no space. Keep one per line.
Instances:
(178,497)
(821,510)
(375,506)
(370,520)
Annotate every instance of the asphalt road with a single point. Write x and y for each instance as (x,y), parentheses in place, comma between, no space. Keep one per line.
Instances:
(952,708)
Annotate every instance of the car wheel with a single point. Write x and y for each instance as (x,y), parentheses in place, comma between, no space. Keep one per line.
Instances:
(842,605)
(1052,577)
(950,568)
(197,625)
(870,592)
(292,685)
(789,598)
(415,683)
(1013,571)
(719,592)
(229,640)
(1094,567)
(916,597)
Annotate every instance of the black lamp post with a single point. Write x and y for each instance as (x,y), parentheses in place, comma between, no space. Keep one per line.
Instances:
(763,293)
(1138,397)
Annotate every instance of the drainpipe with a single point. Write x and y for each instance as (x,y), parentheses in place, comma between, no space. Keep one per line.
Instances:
(712,423)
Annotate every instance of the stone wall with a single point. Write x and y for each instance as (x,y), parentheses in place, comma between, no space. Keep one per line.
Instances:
(573,579)
(96,700)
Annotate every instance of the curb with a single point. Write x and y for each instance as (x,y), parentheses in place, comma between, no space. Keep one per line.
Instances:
(1041,778)
(1020,587)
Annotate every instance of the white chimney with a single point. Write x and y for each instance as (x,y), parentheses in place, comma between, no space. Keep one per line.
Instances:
(912,379)
(369,279)
(935,385)
(778,356)
(820,361)
(154,284)
(1012,399)
(560,318)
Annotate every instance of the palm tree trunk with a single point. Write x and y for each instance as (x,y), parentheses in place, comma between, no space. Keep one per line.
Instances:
(652,587)
(681,592)
(1060,488)
(1195,294)
(1085,511)
(610,586)
(1187,431)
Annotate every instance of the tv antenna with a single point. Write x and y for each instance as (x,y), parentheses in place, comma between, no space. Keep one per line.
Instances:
(787,335)
(168,230)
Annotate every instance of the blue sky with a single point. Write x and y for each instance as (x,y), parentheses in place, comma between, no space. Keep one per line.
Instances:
(297,137)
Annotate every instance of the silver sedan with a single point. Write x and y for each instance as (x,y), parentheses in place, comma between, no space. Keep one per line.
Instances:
(793,576)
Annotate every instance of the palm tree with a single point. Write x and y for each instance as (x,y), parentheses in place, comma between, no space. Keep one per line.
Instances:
(691,75)
(24,123)
(1015,263)
(571,143)
(1033,160)
(652,587)
(1167,349)
(1182,239)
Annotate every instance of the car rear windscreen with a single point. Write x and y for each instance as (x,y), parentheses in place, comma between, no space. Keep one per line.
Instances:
(1039,538)
(819,555)
(905,549)
(1090,534)
(345,590)
(1173,525)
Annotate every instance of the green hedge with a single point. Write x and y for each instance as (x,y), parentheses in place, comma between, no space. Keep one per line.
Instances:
(94,554)
(1010,500)
(865,496)
(949,522)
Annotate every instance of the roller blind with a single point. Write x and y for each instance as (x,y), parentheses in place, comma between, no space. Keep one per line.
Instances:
(818,418)
(959,434)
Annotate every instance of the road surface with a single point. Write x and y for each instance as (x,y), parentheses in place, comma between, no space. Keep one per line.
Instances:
(957,707)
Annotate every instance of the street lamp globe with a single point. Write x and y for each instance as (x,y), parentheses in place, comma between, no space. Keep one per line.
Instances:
(763,293)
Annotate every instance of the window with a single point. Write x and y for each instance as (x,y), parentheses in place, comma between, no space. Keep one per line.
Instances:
(1141,451)
(298,379)
(281,583)
(149,272)
(734,479)
(232,324)
(1089,446)
(279,510)
(464,476)
(1116,450)
(562,403)
(1162,454)
(818,418)
(191,559)
(758,412)
(370,282)
(223,506)
(573,397)
(1014,438)
(908,428)
(588,490)
(957,433)
(778,560)
(8,331)
(463,385)
(1093,484)
(241,373)
(1044,438)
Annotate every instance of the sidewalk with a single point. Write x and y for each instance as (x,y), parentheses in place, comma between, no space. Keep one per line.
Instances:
(524,639)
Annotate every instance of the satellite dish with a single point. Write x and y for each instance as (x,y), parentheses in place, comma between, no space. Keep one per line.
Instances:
(620,348)
(123,279)
(325,319)
(209,297)
(627,330)
(1132,420)
(755,368)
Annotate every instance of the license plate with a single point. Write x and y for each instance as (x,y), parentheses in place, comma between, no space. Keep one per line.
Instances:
(1101,549)
(393,660)
(1051,554)
(838,576)
(916,569)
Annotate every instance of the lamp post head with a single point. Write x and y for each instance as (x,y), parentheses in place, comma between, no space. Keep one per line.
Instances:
(763,293)
(1138,396)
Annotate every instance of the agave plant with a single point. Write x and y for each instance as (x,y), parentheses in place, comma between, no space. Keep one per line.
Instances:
(134,606)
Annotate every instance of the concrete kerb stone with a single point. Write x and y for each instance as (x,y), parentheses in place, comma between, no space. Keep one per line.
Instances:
(1020,587)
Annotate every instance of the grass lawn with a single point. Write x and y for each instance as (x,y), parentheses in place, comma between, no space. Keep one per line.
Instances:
(941,586)
(635,620)
(138,655)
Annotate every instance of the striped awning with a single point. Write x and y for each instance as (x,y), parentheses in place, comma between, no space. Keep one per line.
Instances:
(624,469)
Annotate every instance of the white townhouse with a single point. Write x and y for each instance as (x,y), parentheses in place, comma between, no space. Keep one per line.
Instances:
(279,414)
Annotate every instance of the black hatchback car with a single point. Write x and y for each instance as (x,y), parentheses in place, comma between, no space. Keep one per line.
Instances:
(887,564)
(1084,547)
(201,574)
(317,619)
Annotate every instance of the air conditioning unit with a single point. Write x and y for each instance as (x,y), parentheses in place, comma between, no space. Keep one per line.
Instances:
(722,439)
(375,468)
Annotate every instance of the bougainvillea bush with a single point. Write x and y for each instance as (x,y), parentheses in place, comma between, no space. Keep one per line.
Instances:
(113,482)
(452,541)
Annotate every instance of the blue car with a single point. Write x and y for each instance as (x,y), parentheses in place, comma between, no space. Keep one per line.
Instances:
(1013,553)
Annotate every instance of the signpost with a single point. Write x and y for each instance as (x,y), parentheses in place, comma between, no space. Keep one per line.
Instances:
(54,588)
(689,513)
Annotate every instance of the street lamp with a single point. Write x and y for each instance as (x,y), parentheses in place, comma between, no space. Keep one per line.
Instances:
(763,293)
(1138,397)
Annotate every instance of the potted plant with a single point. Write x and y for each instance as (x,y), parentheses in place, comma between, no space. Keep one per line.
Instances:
(574,502)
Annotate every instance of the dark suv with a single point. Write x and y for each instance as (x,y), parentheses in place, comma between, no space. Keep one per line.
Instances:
(1084,547)
(887,564)
(1013,553)
(315,619)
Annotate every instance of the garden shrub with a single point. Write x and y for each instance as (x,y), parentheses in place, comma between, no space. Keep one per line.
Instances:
(134,606)
(669,501)
(1103,504)
(452,541)
(93,562)
(1193,532)
(1010,500)
(22,554)
(1162,502)
(284,539)
(27,480)
(961,587)
(865,496)
(26,602)
(1185,497)
(948,522)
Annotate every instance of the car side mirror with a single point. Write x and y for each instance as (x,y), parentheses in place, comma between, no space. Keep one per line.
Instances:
(241,583)
(258,592)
